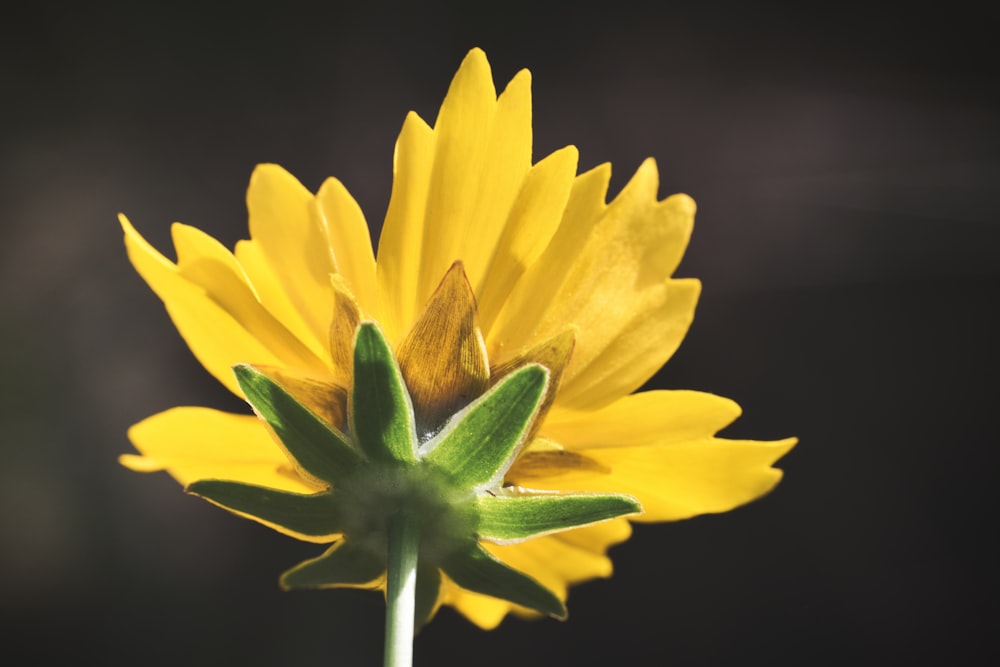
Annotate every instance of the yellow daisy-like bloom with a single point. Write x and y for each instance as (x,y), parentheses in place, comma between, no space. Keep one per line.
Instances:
(486,263)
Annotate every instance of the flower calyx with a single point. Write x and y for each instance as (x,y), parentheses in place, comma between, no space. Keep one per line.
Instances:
(449,483)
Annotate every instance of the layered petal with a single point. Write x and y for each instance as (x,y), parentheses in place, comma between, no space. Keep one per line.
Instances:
(402,238)
(529,228)
(489,268)
(659,447)
(660,417)
(213,306)
(344,224)
(453,189)
(611,282)
(292,237)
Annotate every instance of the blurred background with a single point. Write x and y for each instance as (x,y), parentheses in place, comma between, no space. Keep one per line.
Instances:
(846,164)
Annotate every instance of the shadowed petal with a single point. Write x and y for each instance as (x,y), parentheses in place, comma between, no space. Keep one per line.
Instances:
(343,328)
(443,359)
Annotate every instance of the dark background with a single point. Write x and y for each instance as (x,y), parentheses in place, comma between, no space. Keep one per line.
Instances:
(846,163)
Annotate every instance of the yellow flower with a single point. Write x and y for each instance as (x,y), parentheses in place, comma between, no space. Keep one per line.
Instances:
(486,263)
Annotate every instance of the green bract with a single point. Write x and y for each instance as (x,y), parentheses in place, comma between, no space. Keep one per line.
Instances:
(447,487)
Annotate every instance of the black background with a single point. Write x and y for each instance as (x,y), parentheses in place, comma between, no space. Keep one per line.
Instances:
(846,163)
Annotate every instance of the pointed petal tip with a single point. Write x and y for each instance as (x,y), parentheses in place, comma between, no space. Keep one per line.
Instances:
(137,463)
(784,446)
(519,80)
(266,169)
(477,54)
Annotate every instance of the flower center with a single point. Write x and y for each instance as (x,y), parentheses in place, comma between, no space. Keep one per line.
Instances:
(445,513)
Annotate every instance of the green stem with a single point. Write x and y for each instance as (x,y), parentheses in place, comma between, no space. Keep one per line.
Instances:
(401,589)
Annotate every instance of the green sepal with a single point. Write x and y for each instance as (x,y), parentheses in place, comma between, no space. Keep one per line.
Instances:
(315,515)
(321,452)
(381,414)
(510,519)
(479,444)
(428,595)
(342,565)
(478,571)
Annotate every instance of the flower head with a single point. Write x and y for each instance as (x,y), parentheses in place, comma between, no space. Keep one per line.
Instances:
(501,287)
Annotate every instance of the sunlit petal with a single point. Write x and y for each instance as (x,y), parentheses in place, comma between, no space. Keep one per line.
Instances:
(294,242)
(349,240)
(200,443)
(673,481)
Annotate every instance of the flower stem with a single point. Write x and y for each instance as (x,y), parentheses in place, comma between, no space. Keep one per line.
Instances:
(401,589)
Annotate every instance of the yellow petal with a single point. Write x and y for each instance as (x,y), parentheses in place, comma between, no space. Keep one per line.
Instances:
(443,359)
(612,284)
(532,222)
(514,328)
(486,612)
(678,480)
(349,238)
(637,340)
(200,443)
(272,294)
(598,537)
(651,417)
(293,241)
(507,163)
(482,153)
(206,263)
(401,242)
(217,339)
